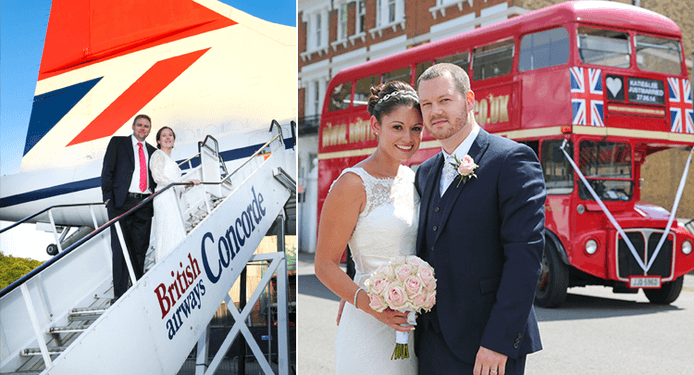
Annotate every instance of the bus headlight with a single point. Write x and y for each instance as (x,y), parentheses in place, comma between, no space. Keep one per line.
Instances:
(686,247)
(591,247)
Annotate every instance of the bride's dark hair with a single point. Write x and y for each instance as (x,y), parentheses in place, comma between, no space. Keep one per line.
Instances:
(388,96)
(159,135)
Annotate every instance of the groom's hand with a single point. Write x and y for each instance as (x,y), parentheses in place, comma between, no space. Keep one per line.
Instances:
(489,362)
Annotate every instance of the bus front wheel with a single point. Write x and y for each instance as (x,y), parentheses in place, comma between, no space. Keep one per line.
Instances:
(667,293)
(554,279)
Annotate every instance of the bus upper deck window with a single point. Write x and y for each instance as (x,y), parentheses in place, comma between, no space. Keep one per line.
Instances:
(340,96)
(461,59)
(493,60)
(402,75)
(362,92)
(603,47)
(543,49)
(421,67)
(658,55)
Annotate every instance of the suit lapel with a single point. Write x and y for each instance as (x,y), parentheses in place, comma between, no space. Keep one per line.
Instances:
(131,151)
(477,150)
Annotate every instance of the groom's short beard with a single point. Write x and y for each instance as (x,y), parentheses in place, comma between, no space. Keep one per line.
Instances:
(453,129)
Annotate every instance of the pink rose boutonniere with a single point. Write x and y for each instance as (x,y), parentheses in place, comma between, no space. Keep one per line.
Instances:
(466,168)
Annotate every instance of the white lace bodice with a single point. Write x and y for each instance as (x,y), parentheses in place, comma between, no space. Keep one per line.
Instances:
(387,227)
(164,169)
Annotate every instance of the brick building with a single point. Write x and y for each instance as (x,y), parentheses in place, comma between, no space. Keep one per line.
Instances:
(335,34)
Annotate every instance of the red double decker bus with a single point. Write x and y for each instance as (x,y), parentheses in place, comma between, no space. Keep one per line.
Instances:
(593,88)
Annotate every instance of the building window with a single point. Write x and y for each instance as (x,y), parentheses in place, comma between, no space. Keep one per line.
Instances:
(389,12)
(361,15)
(318,29)
(342,22)
(316,101)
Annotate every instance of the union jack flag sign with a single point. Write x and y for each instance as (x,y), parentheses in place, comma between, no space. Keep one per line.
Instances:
(587,96)
(681,113)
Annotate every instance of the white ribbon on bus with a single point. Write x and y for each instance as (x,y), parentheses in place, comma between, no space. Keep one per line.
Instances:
(680,189)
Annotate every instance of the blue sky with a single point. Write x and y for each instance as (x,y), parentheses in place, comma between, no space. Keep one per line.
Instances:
(22,32)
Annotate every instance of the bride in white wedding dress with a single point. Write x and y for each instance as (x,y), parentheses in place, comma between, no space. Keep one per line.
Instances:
(168,225)
(374,207)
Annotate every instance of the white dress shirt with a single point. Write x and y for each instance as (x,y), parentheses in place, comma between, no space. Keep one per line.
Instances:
(463,148)
(135,181)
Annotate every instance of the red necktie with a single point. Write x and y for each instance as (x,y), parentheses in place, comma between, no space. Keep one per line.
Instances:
(143,169)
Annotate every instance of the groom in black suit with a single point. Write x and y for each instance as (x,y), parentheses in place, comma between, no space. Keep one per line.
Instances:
(125,182)
(482,231)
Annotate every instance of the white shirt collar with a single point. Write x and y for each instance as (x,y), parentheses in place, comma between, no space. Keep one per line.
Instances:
(464,147)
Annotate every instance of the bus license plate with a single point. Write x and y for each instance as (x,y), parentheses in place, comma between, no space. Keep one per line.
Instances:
(644,282)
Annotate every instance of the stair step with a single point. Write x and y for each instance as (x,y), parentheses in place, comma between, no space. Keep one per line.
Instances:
(88,310)
(56,330)
(52,350)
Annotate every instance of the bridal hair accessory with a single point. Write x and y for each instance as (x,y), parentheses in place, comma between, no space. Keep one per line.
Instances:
(402,93)
(466,168)
(406,284)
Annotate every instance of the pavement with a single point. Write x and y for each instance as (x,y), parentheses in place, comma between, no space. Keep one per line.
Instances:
(318,309)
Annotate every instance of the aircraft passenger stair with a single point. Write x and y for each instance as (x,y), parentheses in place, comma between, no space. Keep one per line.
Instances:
(59,320)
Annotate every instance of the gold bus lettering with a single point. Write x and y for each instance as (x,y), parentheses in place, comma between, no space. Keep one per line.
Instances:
(360,131)
(492,110)
(334,135)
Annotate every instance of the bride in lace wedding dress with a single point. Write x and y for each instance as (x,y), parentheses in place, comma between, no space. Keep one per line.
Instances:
(374,207)
(168,225)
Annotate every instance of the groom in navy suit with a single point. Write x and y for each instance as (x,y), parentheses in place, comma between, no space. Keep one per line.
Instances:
(481,228)
(125,182)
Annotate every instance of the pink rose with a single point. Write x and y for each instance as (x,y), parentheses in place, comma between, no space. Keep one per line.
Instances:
(426,273)
(413,285)
(415,261)
(385,270)
(376,303)
(467,166)
(403,272)
(395,297)
(379,284)
(419,300)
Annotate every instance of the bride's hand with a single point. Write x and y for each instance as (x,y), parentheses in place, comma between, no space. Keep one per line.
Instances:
(339,311)
(194,181)
(393,319)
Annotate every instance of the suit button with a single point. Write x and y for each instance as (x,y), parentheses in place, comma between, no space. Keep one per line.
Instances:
(516,345)
(435,228)
(432,248)
(437,209)
(519,336)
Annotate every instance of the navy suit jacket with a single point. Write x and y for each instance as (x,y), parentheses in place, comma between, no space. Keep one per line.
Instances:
(118,168)
(489,251)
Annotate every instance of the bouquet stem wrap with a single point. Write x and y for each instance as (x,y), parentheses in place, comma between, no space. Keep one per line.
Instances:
(402,349)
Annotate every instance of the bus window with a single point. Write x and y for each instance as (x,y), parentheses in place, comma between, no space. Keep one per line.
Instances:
(543,49)
(603,47)
(461,59)
(559,175)
(421,67)
(493,60)
(607,167)
(340,97)
(658,55)
(362,92)
(402,75)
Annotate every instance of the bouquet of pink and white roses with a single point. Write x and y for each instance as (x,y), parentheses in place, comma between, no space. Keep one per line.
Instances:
(407,284)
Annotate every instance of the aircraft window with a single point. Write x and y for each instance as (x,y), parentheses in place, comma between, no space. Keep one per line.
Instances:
(402,75)
(461,59)
(658,54)
(493,60)
(340,96)
(559,175)
(543,49)
(362,92)
(603,47)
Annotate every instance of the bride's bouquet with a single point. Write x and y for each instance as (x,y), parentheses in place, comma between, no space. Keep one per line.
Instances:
(406,285)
